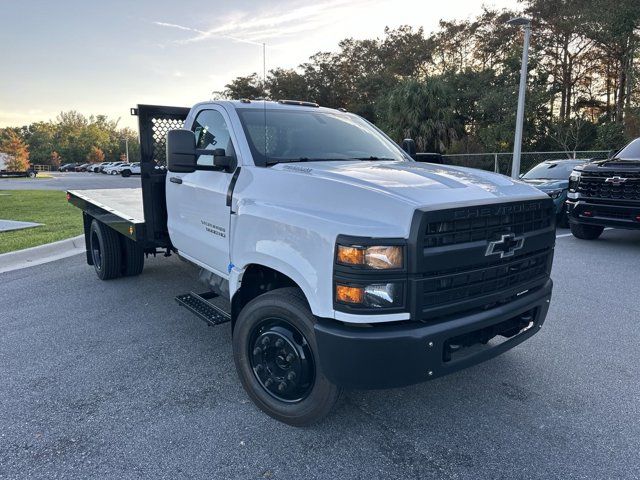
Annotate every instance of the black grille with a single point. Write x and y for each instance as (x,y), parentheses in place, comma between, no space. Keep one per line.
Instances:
(455,286)
(483,223)
(458,272)
(160,127)
(596,186)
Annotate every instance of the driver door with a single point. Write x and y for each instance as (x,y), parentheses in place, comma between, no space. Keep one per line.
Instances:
(198,216)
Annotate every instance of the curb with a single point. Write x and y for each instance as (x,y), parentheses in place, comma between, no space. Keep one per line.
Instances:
(41,254)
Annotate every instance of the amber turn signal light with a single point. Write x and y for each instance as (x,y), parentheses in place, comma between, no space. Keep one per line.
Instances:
(350,255)
(347,294)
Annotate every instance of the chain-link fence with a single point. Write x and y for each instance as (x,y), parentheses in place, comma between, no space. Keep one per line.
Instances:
(501,162)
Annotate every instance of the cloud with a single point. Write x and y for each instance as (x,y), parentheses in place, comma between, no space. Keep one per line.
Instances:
(247,27)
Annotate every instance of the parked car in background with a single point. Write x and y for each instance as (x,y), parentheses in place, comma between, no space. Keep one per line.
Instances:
(82,167)
(68,167)
(104,165)
(127,170)
(112,169)
(552,177)
(606,193)
(95,167)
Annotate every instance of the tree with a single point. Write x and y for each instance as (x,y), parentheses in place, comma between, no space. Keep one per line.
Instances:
(613,25)
(96,155)
(54,159)
(245,87)
(17,151)
(422,111)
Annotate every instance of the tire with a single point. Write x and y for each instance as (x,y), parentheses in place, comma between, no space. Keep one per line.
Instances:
(282,313)
(586,232)
(126,173)
(562,220)
(105,251)
(113,172)
(132,257)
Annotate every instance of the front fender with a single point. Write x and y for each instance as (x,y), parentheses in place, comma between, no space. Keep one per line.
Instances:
(285,242)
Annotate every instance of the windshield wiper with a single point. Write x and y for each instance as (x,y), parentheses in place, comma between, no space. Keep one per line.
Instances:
(371,158)
(274,161)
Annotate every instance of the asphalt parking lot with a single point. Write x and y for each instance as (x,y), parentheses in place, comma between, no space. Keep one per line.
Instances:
(70,181)
(115,380)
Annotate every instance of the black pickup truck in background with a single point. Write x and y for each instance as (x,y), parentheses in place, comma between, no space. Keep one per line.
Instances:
(605,193)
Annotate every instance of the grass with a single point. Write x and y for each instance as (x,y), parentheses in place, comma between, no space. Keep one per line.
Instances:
(60,219)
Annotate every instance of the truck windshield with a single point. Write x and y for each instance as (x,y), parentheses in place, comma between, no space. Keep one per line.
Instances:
(303,135)
(631,151)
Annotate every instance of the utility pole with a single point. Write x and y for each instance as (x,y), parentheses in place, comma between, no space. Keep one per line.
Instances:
(517,142)
(126,147)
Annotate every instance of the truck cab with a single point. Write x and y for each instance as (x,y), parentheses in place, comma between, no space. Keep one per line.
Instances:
(344,262)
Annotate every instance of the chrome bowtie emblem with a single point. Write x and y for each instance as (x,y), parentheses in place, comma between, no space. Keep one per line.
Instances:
(616,180)
(506,246)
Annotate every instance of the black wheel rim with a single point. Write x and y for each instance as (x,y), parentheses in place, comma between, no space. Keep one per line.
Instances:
(96,253)
(281,360)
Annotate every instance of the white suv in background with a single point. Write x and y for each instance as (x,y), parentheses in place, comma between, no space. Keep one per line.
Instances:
(113,168)
(128,169)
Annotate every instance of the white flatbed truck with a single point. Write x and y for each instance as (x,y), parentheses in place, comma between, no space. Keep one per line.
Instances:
(344,263)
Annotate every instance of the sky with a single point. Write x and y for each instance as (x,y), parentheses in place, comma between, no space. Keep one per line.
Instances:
(103,57)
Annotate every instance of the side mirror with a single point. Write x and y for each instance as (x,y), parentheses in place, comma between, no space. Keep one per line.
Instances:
(409,146)
(222,161)
(181,151)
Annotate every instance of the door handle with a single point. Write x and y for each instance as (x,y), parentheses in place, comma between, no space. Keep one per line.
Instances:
(177,180)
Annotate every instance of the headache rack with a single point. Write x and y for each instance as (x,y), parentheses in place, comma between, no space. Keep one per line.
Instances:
(454,269)
(154,122)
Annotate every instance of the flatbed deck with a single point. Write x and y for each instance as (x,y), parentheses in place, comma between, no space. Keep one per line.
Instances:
(120,208)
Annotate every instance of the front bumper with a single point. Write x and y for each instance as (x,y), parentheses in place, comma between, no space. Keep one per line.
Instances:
(617,215)
(397,355)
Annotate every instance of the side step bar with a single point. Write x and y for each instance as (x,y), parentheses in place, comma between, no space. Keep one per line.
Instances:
(200,306)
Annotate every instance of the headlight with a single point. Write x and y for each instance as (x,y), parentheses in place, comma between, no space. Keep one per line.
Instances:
(374,257)
(575,176)
(555,193)
(378,295)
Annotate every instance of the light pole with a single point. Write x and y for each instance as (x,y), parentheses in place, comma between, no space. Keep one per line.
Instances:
(517,142)
(126,148)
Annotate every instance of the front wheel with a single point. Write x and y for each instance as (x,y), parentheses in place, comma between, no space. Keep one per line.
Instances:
(276,357)
(586,232)
(126,173)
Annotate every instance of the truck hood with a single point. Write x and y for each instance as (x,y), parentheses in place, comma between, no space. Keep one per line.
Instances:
(546,184)
(414,182)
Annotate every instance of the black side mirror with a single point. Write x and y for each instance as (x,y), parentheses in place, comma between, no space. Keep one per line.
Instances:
(222,161)
(409,146)
(181,151)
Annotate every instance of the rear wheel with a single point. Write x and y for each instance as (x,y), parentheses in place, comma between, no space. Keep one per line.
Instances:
(276,357)
(105,251)
(133,257)
(126,173)
(586,232)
